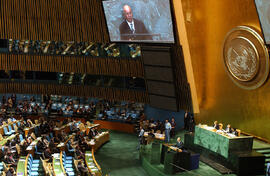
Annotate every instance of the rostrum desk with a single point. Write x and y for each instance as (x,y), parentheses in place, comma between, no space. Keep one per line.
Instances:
(220,143)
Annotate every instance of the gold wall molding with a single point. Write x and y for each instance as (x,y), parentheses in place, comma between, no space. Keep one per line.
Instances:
(182,33)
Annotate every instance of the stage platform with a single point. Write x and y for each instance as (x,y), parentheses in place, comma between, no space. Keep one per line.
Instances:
(208,164)
(158,169)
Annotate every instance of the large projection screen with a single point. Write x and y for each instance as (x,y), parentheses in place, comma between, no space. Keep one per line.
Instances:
(263,9)
(147,21)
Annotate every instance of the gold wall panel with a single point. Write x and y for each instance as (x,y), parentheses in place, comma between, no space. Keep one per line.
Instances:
(64,20)
(207,23)
(89,65)
(75,90)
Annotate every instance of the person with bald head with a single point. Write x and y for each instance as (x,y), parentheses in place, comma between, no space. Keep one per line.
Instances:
(131,28)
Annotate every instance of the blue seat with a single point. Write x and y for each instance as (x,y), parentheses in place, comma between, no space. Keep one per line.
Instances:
(36,130)
(69,169)
(14,124)
(71,173)
(34,169)
(48,138)
(68,161)
(19,123)
(51,135)
(34,174)
(21,137)
(35,161)
(35,165)
(10,129)
(6,132)
(68,165)
(36,152)
(70,149)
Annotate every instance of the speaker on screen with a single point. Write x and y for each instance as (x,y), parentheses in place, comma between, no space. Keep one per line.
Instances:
(147,21)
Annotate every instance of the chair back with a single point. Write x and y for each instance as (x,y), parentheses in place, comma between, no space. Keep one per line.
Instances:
(9,128)
(15,127)
(9,120)
(81,127)
(5,166)
(1,137)
(5,130)
(33,136)
(21,137)
(36,122)
(18,149)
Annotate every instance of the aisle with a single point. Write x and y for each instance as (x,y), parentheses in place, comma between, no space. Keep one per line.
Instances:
(119,157)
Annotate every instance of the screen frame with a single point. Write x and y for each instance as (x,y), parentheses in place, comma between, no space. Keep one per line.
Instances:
(143,42)
(267,44)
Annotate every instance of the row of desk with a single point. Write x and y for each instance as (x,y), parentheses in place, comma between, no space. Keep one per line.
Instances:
(91,163)
(57,163)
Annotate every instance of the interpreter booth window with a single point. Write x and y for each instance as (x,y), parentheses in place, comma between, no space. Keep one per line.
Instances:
(16,75)
(4,74)
(114,81)
(135,83)
(93,80)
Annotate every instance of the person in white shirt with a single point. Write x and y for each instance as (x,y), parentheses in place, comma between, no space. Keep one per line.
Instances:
(168,128)
(141,135)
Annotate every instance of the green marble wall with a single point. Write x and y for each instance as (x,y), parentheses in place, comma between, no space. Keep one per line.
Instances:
(221,144)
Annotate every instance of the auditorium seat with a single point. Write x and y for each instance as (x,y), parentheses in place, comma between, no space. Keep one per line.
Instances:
(67,162)
(32,167)
(10,129)
(6,132)
(36,151)
(15,127)
(21,137)
(70,149)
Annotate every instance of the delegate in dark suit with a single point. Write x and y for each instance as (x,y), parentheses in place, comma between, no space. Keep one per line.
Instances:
(140,32)
(180,145)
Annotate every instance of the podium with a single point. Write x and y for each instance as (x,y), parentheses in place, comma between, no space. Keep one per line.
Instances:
(155,153)
(178,161)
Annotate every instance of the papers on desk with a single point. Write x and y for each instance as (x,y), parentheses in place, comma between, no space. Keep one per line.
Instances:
(209,128)
(157,135)
(21,159)
(56,155)
(88,154)
(29,147)
(62,144)
(231,135)
(92,142)
(57,163)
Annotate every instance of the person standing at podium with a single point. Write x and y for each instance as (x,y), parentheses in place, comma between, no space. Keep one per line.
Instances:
(179,144)
(141,135)
(168,128)
(131,28)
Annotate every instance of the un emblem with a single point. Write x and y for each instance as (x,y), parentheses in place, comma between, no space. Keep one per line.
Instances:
(245,57)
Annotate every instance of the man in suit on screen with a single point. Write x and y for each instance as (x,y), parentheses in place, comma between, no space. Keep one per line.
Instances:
(131,28)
